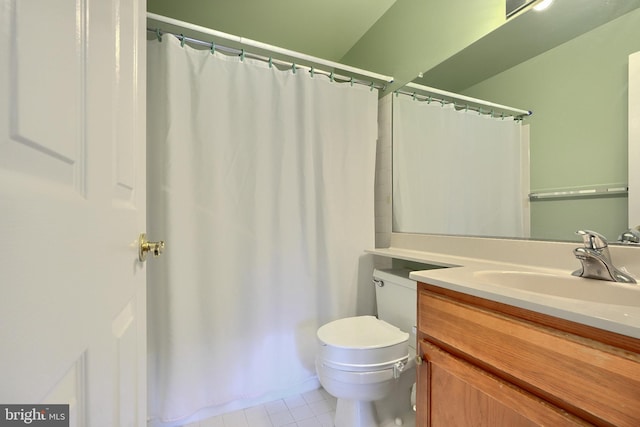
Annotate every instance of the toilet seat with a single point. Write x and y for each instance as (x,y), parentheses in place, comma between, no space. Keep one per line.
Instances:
(361,332)
(362,343)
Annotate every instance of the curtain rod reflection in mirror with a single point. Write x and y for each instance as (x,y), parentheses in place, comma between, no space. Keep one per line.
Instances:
(466,102)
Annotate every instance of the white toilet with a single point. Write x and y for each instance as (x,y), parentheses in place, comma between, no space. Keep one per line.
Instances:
(363,359)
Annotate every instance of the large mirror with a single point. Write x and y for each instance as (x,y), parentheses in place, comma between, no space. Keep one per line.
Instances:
(569,65)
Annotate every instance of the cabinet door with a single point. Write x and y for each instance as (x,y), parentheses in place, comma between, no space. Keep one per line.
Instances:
(596,382)
(454,393)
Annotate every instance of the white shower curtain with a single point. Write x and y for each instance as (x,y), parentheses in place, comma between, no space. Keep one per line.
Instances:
(457,172)
(261,182)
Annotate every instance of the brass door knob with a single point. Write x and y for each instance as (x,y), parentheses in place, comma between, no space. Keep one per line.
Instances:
(145,247)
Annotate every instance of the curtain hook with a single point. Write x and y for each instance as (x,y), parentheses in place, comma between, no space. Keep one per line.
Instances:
(312,71)
(213,48)
(413,96)
(371,87)
(159,34)
(270,62)
(293,67)
(331,77)
(397,93)
(181,40)
(429,100)
(351,81)
(241,55)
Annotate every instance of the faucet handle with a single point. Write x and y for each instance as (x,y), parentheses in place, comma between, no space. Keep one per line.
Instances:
(592,240)
(631,236)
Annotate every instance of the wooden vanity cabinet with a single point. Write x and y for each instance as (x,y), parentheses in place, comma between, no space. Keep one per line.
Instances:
(489,364)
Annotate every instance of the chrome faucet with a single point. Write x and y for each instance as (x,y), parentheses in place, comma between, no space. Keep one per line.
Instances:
(596,259)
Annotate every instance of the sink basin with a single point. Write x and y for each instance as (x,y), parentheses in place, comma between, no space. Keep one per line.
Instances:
(568,286)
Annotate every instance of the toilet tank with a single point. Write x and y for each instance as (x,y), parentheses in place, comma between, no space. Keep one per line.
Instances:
(396,297)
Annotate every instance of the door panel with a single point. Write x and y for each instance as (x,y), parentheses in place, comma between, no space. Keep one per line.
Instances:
(71,389)
(47,89)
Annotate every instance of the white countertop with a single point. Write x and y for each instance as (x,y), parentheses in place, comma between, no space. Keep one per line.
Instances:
(462,277)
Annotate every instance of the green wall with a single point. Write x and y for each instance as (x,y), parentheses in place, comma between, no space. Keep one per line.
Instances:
(416,35)
(578,93)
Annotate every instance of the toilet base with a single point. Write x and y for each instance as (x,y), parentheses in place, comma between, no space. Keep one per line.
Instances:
(355,413)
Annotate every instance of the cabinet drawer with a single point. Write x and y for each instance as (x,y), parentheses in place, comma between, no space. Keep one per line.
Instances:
(594,381)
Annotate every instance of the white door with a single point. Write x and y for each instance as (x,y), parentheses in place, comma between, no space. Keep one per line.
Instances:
(72,203)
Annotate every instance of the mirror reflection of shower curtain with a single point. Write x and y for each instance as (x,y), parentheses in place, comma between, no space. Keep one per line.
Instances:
(261,182)
(457,172)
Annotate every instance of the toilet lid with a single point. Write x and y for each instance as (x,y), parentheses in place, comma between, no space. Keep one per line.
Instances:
(362,332)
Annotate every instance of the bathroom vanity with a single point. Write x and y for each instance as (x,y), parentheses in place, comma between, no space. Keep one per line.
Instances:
(489,363)
(507,336)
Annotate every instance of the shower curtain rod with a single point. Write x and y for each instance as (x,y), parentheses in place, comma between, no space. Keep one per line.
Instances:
(266,47)
(241,52)
(468,101)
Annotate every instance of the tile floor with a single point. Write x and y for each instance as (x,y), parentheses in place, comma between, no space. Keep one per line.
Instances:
(313,409)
